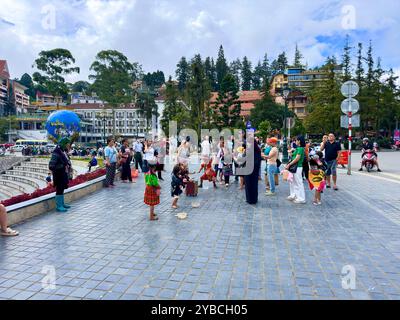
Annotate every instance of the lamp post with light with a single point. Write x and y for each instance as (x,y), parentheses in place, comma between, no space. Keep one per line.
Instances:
(285,95)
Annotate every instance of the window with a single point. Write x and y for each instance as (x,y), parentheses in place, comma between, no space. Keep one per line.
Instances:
(300,110)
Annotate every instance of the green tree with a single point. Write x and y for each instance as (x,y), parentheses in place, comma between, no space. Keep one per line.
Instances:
(221,67)
(235,68)
(197,93)
(81,86)
(346,60)
(155,79)
(297,58)
(113,75)
(7,123)
(264,129)
(146,103)
(211,74)
(258,77)
(227,106)
(360,67)
(247,74)
(267,109)
(54,65)
(27,81)
(182,73)
(174,109)
(325,99)
(280,64)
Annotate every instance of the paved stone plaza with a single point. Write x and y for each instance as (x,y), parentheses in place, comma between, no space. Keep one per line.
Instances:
(106,248)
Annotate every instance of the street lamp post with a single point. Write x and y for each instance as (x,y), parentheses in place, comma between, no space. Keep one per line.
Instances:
(285,159)
(137,129)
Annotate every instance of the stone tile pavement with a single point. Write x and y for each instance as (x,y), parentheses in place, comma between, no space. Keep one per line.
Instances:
(106,248)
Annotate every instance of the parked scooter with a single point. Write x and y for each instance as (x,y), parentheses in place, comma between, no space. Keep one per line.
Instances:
(396,146)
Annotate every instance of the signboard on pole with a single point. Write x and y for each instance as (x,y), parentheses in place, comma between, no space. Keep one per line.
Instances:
(350,89)
(355,121)
(396,135)
(350,105)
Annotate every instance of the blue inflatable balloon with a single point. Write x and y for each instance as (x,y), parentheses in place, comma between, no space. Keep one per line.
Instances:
(62,124)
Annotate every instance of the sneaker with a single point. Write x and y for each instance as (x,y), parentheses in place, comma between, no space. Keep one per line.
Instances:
(379,170)
(361,169)
(291,198)
(316,203)
(299,202)
(269,193)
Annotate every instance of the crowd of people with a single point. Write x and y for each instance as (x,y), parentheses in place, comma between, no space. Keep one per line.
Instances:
(220,161)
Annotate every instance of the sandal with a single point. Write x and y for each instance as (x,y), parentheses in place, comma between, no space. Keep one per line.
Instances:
(9,233)
(154,218)
(335,188)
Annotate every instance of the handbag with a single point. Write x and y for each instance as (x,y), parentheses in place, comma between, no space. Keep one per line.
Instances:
(293,168)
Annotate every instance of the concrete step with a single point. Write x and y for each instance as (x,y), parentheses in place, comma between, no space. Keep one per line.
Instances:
(29,174)
(32,168)
(24,180)
(17,186)
(8,192)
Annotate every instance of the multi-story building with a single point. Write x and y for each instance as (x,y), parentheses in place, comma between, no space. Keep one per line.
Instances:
(19,98)
(79,98)
(48,100)
(130,122)
(4,86)
(13,99)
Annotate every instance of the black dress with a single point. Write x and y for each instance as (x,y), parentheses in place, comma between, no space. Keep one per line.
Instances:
(251,181)
(126,167)
(60,167)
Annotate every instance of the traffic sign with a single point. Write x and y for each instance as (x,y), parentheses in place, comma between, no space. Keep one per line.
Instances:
(350,89)
(355,121)
(350,105)
(290,122)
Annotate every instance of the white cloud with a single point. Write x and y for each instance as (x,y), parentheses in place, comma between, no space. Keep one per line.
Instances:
(157,33)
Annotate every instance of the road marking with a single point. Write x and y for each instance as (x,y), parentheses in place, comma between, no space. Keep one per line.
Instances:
(379,177)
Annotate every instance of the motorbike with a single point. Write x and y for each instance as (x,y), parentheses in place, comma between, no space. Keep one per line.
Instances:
(368,160)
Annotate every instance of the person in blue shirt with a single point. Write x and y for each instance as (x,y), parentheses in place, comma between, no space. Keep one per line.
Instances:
(111,154)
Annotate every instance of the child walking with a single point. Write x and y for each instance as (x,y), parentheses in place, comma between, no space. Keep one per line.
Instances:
(177,184)
(152,191)
(209,173)
(316,176)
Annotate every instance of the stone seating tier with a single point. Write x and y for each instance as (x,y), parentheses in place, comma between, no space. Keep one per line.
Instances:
(21,173)
(18,186)
(29,181)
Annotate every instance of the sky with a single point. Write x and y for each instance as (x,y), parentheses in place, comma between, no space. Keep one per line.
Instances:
(156,33)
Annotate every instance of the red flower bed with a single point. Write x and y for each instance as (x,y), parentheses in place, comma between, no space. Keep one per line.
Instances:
(42,192)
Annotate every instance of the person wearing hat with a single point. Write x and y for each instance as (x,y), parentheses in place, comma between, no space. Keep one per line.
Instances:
(272,167)
(60,166)
(367,145)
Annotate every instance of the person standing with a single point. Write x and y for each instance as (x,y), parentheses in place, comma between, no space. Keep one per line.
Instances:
(153,189)
(60,166)
(110,153)
(5,231)
(332,152)
(272,167)
(297,192)
(138,149)
(126,159)
(251,180)
(149,156)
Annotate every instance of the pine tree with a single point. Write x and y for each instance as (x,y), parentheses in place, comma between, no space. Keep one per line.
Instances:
(280,64)
(266,70)
(258,77)
(235,69)
(325,99)
(346,62)
(297,58)
(227,106)
(221,67)
(209,69)
(246,74)
(174,110)
(182,73)
(360,67)
(197,92)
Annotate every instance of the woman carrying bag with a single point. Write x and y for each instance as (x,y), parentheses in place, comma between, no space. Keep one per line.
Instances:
(295,166)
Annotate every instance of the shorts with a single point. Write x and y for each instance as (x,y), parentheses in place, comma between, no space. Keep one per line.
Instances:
(332,165)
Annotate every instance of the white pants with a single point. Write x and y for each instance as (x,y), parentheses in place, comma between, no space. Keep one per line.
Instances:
(297,186)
